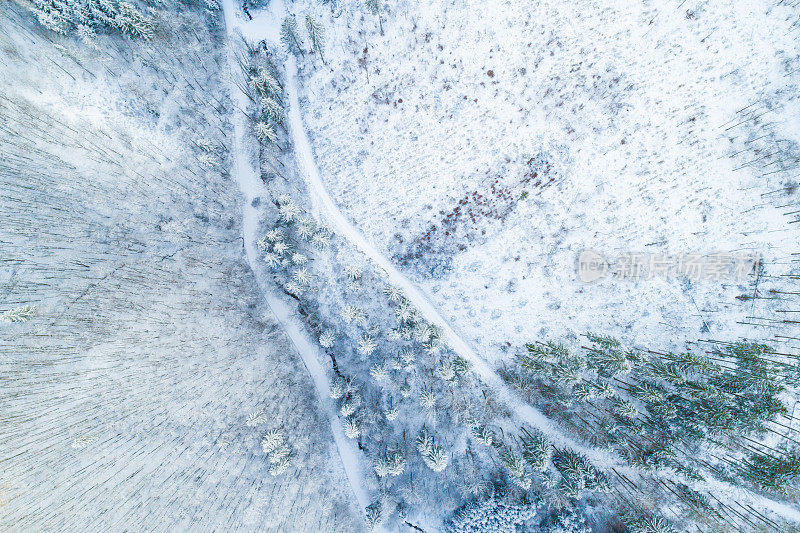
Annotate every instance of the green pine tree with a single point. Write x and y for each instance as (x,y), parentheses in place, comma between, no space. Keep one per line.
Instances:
(316,35)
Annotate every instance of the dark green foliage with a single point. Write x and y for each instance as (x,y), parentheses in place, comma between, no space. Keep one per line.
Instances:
(776,474)
(578,473)
(649,524)
(536,449)
(661,404)
(85,17)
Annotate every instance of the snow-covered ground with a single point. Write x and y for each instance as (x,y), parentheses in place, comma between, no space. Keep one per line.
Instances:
(428,137)
(305,318)
(137,395)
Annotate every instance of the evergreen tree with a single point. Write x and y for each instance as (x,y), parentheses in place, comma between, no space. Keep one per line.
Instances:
(495,514)
(289,36)
(316,34)
(374,7)
(776,474)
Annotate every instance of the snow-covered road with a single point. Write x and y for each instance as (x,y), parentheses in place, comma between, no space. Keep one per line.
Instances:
(523,413)
(265,26)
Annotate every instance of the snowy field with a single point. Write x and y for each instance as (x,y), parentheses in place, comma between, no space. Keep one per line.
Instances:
(428,138)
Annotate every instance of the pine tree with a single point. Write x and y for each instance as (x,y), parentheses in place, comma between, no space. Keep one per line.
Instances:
(316,35)
(434,456)
(132,22)
(374,516)
(374,7)
(536,449)
(265,132)
(289,36)
(776,474)
(495,514)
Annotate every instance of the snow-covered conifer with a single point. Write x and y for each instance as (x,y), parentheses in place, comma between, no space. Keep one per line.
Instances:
(302,276)
(265,132)
(289,36)
(272,110)
(289,212)
(374,7)
(352,428)
(353,272)
(367,345)
(352,314)
(19,314)
(379,372)
(316,35)
(394,294)
(255,418)
(327,338)
(272,440)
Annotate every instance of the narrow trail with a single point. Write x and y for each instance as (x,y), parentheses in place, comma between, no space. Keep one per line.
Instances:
(247,177)
(265,26)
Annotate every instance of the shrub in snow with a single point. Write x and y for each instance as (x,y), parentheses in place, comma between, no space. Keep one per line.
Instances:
(391,414)
(82,442)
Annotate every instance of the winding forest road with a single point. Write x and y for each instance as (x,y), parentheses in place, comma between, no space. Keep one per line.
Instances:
(266,26)
(248,178)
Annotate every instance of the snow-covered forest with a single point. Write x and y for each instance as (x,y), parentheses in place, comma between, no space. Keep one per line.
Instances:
(347,265)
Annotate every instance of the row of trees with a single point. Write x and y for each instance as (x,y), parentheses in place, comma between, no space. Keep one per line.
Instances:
(664,409)
(85,17)
(292,41)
